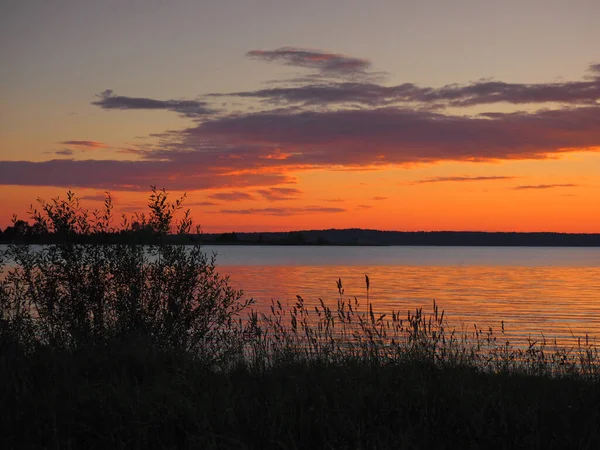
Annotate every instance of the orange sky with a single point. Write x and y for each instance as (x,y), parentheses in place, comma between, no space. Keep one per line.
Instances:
(563,198)
(356,118)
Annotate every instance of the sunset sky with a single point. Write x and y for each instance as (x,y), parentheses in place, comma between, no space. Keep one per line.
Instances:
(286,115)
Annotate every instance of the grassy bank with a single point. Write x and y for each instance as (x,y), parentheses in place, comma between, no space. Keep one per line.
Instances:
(136,397)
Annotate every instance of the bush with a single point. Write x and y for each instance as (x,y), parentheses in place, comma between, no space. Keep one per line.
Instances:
(70,295)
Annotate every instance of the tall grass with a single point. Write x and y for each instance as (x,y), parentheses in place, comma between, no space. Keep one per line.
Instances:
(347,333)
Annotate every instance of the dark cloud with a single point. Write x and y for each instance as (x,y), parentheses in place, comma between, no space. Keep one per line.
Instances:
(232,196)
(187,108)
(546,186)
(380,198)
(237,151)
(279,193)
(282,211)
(64,152)
(364,206)
(136,208)
(382,136)
(595,69)
(261,149)
(129,175)
(477,93)
(369,94)
(328,63)
(461,179)
(87,144)
(130,151)
(486,92)
(207,203)
(96,197)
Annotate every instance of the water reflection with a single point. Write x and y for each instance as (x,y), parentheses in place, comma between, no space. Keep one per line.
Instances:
(560,302)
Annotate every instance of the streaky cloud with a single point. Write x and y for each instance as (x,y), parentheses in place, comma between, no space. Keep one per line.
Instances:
(96,197)
(64,152)
(187,108)
(546,186)
(325,62)
(232,152)
(315,92)
(232,196)
(282,211)
(338,126)
(462,179)
(279,193)
(395,136)
(204,203)
(86,144)
(363,93)
(116,175)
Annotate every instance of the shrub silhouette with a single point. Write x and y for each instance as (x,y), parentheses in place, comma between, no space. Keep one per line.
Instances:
(70,295)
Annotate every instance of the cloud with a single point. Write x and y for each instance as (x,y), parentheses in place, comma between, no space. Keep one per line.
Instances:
(486,92)
(206,203)
(97,197)
(187,108)
(177,175)
(461,179)
(279,193)
(64,152)
(130,151)
(380,198)
(364,206)
(232,196)
(277,154)
(546,186)
(86,144)
(134,208)
(363,93)
(481,92)
(396,136)
(324,62)
(264,148)
(230,152)
(282,211)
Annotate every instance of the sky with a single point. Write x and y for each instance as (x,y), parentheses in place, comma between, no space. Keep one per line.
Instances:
(288,115)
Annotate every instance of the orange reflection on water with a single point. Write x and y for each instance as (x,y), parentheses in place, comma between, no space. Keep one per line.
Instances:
(558,302)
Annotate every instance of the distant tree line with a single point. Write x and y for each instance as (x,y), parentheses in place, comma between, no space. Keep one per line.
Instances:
(139,232)
(53,223)
(405,238)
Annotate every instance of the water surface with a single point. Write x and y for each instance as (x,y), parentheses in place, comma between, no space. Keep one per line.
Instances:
(540,290)
(549,291)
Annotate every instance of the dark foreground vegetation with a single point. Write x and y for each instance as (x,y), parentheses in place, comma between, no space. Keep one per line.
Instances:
(119,346)
(137,397)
